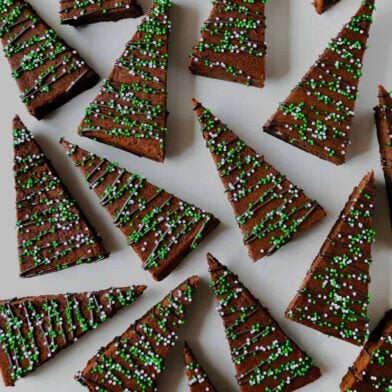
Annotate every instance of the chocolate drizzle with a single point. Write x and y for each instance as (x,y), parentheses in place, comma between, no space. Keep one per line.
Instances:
(53,234)
(47,70)
(265,358)
(135,360)
(161,228)
(317,115)
(334,297)
(269,209)
(232,44)
(130,109)
(35,329)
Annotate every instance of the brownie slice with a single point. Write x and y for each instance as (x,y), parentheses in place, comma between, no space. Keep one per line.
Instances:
(130,110)
(232,43)
(266,359)
(48,72)
(323,5)
(334,296)
(34,329)
(270,210)
(317,115)
(53,233)
(80,12)
(198,379)
(160,227)
(135,360)
(383,117)
(372,370)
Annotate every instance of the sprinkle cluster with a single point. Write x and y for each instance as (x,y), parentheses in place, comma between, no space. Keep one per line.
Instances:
(264,356)
(135,360)
(131,104)
(52,232)
(334,298)
(33,330)
(318,114)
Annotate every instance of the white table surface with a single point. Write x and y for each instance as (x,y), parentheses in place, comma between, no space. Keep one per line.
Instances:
(296,35)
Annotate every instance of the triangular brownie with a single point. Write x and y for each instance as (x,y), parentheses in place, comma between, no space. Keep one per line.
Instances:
(48,72)
(270,210)
(130,109)
(135,360)
(317,115)
(232,43)
(323,5)
(198,379)
(383,116)
(372,370)
(160,227)
(53,233)
(79,12)
(266,359)
(334,296)
(34,329)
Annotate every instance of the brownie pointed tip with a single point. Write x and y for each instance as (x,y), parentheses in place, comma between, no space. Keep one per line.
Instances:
(369,177)
(140,289)
(16,119)
(195,103)
(213,263)
(65,143)
(194,281)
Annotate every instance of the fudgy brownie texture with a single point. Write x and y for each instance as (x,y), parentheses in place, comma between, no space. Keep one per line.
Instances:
(383,117)
(270,210)
(48,72)
(160,227)
(317,115)
(323,5)
(266,359)
(130,110)
(372,370)
(135,360)
(53,233)
(34,329)
(80,12)
(198,379)
(232,43)
(334,296)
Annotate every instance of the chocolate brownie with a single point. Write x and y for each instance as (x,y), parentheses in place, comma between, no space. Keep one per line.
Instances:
(80,12)
(48,71)
(323,5)
(198,379)
(130,110)
(135,360)
(334,296)
(270,210)
(383,116)
(232,43)
(53,233)
(265,358)
(160,227)
(372,370)
(34,329)
(317,115)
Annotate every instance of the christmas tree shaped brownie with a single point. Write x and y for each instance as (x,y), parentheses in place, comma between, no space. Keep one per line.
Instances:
(372,371)
(79,12)
(334,296)
(266,359)
(48,72)
(160,227)
(135,360)
(130,109)
(53,233)
(323,5)
(270,210)
(198,379)
(34,329)
(232,43)
(317,115)
(383,116)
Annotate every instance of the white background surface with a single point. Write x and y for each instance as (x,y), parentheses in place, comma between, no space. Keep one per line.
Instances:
(296,36)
